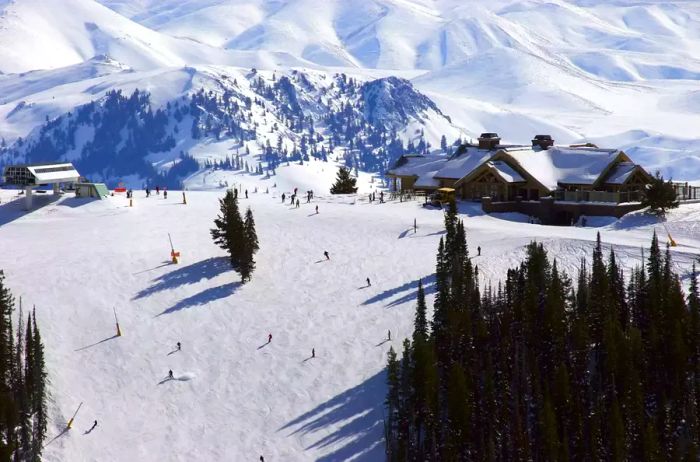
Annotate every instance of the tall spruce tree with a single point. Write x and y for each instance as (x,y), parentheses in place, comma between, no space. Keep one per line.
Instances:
(344,182)
(235,235)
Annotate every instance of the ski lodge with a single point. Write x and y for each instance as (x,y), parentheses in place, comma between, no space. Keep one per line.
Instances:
(556,184)
(34,175)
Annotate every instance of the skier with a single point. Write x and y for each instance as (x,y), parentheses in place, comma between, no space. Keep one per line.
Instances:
(262,459)
(165,193)
(283,198)
(478,251)
(170,374)
(388,335)
(246,194)
(368,283)
(269,338)
(317,210)
(325,252)
(157,190)
(298,203)
(381,197)
(179,347)
(313,353)
(415,226)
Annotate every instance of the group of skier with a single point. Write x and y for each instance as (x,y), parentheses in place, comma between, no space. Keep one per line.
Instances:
(148,192)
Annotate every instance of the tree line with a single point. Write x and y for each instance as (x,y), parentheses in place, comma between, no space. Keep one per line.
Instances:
(603,366)
(22,384)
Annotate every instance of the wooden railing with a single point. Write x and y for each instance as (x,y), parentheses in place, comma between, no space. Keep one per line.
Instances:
(598,196)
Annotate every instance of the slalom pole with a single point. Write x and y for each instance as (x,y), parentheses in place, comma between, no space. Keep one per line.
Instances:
(119,331)
(173,255)
(70,422)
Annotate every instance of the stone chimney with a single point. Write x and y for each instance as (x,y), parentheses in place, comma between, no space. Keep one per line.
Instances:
(489,141)
(543,141)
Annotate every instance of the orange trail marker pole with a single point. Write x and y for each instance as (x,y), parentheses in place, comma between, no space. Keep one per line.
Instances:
(174,255)
(70,422)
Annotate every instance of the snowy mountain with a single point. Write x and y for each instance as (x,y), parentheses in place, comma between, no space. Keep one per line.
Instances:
(269,117)
(576,69)
(271,96)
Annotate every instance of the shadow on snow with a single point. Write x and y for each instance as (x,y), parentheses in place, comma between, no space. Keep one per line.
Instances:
(206,296)
(190,274)
(356,416)
(410,287)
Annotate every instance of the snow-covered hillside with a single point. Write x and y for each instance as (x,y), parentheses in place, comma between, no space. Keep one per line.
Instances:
(234,396)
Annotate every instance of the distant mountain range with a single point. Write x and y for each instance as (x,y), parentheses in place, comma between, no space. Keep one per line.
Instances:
(621,72)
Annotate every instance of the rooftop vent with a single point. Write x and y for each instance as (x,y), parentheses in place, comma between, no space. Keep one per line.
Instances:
(489,141)
(542,141)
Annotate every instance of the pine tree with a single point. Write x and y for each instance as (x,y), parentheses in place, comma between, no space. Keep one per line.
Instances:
(250,247)
(660,196)
(39,393)
(344,183)
(420,326)
(229,231)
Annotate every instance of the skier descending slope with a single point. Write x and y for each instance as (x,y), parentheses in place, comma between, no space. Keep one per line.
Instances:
(325,253)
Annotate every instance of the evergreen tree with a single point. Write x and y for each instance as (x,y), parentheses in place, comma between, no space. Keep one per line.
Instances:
(344,183)
(660,196)
(236,236)
(251,246)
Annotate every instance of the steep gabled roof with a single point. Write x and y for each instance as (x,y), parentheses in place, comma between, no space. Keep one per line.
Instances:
(464,163)
(505,171)
(560,165)
(417,166)
(622,172)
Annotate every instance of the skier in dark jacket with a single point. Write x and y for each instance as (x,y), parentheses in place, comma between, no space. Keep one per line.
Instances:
(246,194)
(170,374)
(284,197)
(325,253)
(368,283)
(178,346)
(165,193)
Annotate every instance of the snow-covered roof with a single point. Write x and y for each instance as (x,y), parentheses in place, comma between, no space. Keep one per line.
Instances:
(427,180)
(564,165)
(51,173)
(418,166)
(621,172)
(505,171)
(465,163)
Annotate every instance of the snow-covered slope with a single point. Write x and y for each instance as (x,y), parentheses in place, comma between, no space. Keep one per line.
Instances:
(235,396)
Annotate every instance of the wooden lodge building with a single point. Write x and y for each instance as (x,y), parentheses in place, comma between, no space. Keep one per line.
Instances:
(556,184)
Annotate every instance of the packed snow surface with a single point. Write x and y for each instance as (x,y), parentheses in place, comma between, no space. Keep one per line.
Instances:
(233,395)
